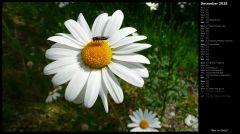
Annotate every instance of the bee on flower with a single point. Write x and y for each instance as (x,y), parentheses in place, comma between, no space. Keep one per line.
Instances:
(88,59)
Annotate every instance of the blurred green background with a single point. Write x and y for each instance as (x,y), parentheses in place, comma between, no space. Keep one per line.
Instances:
(171,87)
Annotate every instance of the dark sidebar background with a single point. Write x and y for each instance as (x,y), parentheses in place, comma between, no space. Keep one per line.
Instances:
(218,66)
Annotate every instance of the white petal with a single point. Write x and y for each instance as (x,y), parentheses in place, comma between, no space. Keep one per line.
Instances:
(77,31)
(65,74)
(131,48)
(57,45)
(152,130)
(120,34)
(195,126)
(147,117)
(83,23)
(145,114)
(112,85)
(128,40)
(57,94)
(146,130)
(131,58)
(126,74)
(80,98)
(137,129)
(76,84)
(137,116)
(48,99)
(136,67)
(155,121)
(103,95)
(152,115)
(114,23)
(63,40)
(140,113)
(72,38)
(54,97)
(134,119)
(93,87)
(58,65)
(150,4)
(132,125)
(58,53)
(99,24)
(150,118)
(155,125)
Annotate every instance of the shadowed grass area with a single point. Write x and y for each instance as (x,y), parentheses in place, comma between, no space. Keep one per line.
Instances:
(171,86)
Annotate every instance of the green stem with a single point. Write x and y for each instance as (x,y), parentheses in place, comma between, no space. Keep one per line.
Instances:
(117,116)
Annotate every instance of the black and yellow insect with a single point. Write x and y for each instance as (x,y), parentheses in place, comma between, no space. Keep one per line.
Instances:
(99,38)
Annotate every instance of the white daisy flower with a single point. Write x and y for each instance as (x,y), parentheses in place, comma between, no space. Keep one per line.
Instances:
(90,58)
(144,121)
(62,4)
(152,5)
(52,96)
(191,120)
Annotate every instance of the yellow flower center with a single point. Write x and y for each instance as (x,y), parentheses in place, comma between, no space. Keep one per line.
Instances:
(97,54)
(144,124)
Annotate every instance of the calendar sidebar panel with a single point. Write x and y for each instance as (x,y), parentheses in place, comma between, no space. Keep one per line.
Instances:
(217,65)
